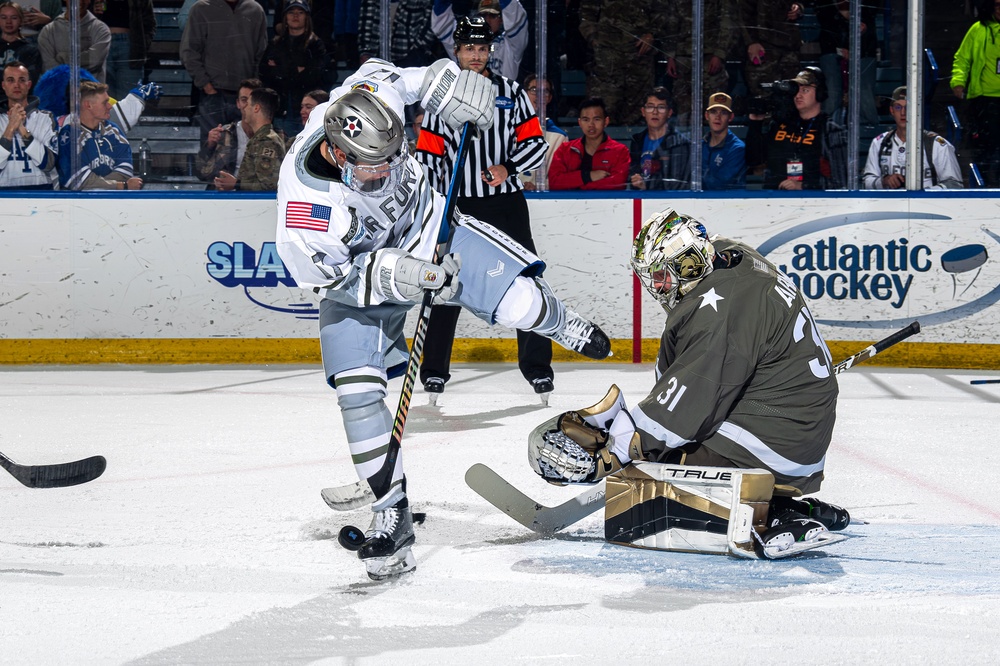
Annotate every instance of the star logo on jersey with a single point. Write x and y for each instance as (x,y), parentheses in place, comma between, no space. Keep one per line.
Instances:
(711,298)
(352,126)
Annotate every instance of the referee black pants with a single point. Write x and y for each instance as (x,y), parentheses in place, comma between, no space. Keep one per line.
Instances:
(509,214)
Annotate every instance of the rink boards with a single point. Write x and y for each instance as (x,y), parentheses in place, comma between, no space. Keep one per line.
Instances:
(162,278)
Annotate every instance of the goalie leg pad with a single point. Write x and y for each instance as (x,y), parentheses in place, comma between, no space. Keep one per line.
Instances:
(688,509)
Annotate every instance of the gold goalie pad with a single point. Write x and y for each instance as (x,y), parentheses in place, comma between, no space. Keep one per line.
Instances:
(686,508)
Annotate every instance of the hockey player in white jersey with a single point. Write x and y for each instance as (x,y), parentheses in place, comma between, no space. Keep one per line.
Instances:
(358,223)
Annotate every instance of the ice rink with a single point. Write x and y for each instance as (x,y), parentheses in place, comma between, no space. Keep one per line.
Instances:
(206,540)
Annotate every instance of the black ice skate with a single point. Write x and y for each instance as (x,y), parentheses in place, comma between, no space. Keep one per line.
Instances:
(434,386)
(543,387)
(583,337)
(833,517)
(790,533)
(386,549)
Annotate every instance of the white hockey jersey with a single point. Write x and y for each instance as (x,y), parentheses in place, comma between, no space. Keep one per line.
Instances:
(32,165)
(326,232)
(887,155)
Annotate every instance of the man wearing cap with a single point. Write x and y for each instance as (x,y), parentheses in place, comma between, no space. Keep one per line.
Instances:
(723,154)
(886,166)
(807,151)
(507,20)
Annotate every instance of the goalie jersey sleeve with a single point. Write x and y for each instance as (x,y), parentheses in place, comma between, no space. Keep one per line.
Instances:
(743,370)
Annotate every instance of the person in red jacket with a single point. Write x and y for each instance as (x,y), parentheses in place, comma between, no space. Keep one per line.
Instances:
(594,161)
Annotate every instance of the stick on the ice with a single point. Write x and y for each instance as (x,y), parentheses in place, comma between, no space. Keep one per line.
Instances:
(985,381)
(381,481)
(878,347)
(58,475)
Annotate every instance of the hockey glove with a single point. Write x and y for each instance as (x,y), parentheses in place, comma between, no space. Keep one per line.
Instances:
(401,277)
(147,91)
(458,96)
(568,449)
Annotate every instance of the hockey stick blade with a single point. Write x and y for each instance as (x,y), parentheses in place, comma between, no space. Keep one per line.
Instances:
(536,517)
(878,347)
(349,497)
(985,381)
(59,475)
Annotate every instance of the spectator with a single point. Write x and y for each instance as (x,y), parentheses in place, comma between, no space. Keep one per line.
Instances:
(594,161)
(37,15)
(294,63)
(540,92)
(226,145)
(346,24)
(807,151)
(52,90)
(265,150)
(28,142)
(222,44)
(834,42)
(620,35)
(660,155)
(723,154)
(95,40)
(412,42)
(975,76)
(310,101)
(490,192)
(133,27)
(771,32)
(886,166)
(13,46)
(506,19)
(105,154)
(718,41)
(415,115)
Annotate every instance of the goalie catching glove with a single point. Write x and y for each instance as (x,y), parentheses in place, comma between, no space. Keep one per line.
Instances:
(580,446)
(399,276)
(458,96)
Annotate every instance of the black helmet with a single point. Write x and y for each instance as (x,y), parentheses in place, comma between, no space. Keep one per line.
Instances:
(473,30)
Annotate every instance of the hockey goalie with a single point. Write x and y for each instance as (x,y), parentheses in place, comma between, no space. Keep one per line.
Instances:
(719,455)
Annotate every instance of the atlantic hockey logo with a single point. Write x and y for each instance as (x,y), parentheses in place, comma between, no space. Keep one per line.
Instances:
(352,126)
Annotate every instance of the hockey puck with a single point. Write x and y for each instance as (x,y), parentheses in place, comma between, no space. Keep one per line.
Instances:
(419,517)
(351,537)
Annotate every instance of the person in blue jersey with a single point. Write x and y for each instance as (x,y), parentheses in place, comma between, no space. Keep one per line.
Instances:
(723,154)
(105,155)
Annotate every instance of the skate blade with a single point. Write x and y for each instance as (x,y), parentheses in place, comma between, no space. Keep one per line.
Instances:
(400,562)
(825,539)
(432,399)
(544,397)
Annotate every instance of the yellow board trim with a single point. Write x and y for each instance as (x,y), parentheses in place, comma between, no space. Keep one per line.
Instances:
(466,350)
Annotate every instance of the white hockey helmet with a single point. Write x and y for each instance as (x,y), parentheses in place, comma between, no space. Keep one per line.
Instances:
(371,136)
(670,255)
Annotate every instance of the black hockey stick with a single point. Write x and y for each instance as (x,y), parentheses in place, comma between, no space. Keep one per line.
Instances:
(59,475)
(878,347)
(546,520)
(985,381)
(353,495)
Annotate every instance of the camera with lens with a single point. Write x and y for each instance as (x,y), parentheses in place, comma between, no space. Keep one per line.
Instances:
(778,100)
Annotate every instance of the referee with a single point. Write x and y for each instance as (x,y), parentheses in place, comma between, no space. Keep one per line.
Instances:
(490,192)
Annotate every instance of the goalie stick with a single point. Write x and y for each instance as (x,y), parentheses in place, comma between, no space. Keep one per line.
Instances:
(352,496)
(58,475)
(537,517)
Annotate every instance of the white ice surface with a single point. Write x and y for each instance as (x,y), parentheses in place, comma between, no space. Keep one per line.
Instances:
(206,540)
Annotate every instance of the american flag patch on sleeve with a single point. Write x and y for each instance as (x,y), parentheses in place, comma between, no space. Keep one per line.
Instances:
(304,215)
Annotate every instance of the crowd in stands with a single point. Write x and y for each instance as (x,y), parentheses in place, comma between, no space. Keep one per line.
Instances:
(771,110)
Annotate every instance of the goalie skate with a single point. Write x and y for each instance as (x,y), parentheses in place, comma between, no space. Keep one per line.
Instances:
(791,533)
(386,550)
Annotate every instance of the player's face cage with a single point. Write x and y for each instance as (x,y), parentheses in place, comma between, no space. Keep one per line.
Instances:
(376,180)
(670,254)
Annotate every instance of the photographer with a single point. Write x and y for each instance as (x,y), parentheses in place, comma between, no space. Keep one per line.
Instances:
(800,147)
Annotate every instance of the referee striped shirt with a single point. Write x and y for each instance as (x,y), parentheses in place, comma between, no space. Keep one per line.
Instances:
(515,140)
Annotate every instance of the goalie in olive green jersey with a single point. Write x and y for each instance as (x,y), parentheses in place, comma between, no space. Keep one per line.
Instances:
(743,379)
